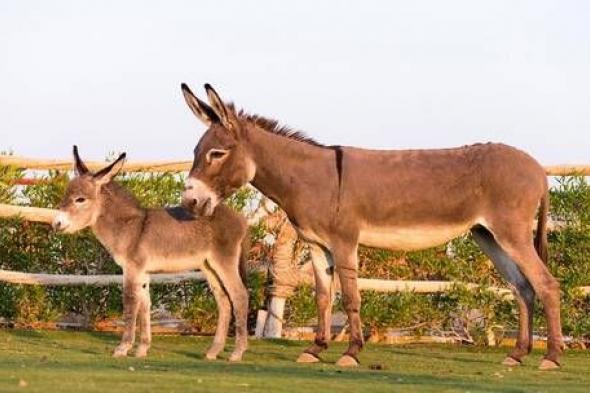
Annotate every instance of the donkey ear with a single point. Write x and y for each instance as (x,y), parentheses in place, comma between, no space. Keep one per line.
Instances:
(220,109)
(79,167)
(199,108)
(107,174)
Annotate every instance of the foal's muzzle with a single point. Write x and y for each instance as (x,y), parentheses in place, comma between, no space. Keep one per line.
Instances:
(60,222)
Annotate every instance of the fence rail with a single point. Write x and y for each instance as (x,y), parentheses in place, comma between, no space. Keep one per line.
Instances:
(28,213)
(185,165)
(136,166)
(95,279)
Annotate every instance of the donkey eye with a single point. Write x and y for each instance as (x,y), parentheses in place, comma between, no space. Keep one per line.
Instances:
(215,154)
(80,200)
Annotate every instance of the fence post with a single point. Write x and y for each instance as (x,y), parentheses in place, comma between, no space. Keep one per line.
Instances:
(285,277)
(274,319)
(260,323)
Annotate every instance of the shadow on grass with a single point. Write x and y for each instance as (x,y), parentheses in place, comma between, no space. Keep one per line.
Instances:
(26,333)
(296,376)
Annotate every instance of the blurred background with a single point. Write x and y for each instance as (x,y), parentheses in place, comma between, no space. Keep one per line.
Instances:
(379,74)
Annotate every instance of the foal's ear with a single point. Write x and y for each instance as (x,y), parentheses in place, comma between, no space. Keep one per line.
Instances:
(79,167)
(107,174)
(199,108)
(221,110)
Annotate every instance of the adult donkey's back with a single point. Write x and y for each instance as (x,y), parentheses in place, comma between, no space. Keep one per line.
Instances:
(339,197)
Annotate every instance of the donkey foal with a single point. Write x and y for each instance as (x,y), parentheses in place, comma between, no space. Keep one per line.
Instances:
(142,241)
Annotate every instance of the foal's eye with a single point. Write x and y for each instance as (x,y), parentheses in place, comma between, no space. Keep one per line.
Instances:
(80,200)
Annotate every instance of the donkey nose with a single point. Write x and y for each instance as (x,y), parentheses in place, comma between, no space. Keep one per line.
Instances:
(189,202)
(56,225)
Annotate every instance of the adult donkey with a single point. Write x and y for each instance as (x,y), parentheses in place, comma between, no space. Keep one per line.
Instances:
(339,197)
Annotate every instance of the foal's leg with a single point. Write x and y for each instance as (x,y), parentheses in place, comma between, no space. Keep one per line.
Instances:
(131,296)
(345,258)
(522,289)
(226,269)
(324,279)
(224,313)
(519,246)
(145,338)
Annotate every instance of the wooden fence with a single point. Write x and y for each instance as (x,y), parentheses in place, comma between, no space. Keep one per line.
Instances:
(273,319)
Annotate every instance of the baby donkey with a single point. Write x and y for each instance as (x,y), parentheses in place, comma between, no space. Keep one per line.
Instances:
(143,241)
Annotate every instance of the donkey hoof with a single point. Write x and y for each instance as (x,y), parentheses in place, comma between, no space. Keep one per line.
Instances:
(141,352)
(119,353)
(547,365)
(510,362)
(211,356)
(235,357)
(307,358)
(347,361)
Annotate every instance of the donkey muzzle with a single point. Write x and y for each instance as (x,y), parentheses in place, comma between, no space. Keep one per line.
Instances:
(202,207)
(60,222)
(198,197)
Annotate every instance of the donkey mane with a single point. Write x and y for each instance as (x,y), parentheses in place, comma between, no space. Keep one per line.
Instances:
(273,126)
(116,190)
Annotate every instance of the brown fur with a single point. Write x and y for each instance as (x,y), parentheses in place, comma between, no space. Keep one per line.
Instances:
(144,241)
(339,197)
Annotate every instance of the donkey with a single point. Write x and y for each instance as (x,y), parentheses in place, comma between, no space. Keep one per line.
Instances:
(142,241)
(339,197)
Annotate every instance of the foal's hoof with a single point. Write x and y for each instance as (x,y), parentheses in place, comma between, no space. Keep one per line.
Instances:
(547,365)
(510,362)
(141,352)
(347,361)
(307,358)
(235,357)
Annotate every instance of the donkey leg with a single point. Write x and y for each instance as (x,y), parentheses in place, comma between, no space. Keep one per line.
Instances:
(229,276)
(131,296)
(324,275)
(522,289)
(546,287)
(224,314)
(145,338)
(347,269)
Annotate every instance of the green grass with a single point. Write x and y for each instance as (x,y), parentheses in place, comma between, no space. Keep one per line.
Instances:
(80,362)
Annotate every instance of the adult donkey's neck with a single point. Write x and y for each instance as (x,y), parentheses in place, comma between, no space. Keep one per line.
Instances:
(297,174)
(120,219)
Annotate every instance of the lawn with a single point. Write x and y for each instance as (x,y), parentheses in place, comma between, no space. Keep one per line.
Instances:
(42,361)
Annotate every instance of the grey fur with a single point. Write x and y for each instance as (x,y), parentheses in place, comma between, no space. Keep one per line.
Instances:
(143,241)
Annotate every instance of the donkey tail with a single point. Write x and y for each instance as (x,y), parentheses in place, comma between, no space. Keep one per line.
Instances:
(245,250)
(541,236)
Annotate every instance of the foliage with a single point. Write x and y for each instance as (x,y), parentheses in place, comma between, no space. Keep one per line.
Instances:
(7,176)
(300,308)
